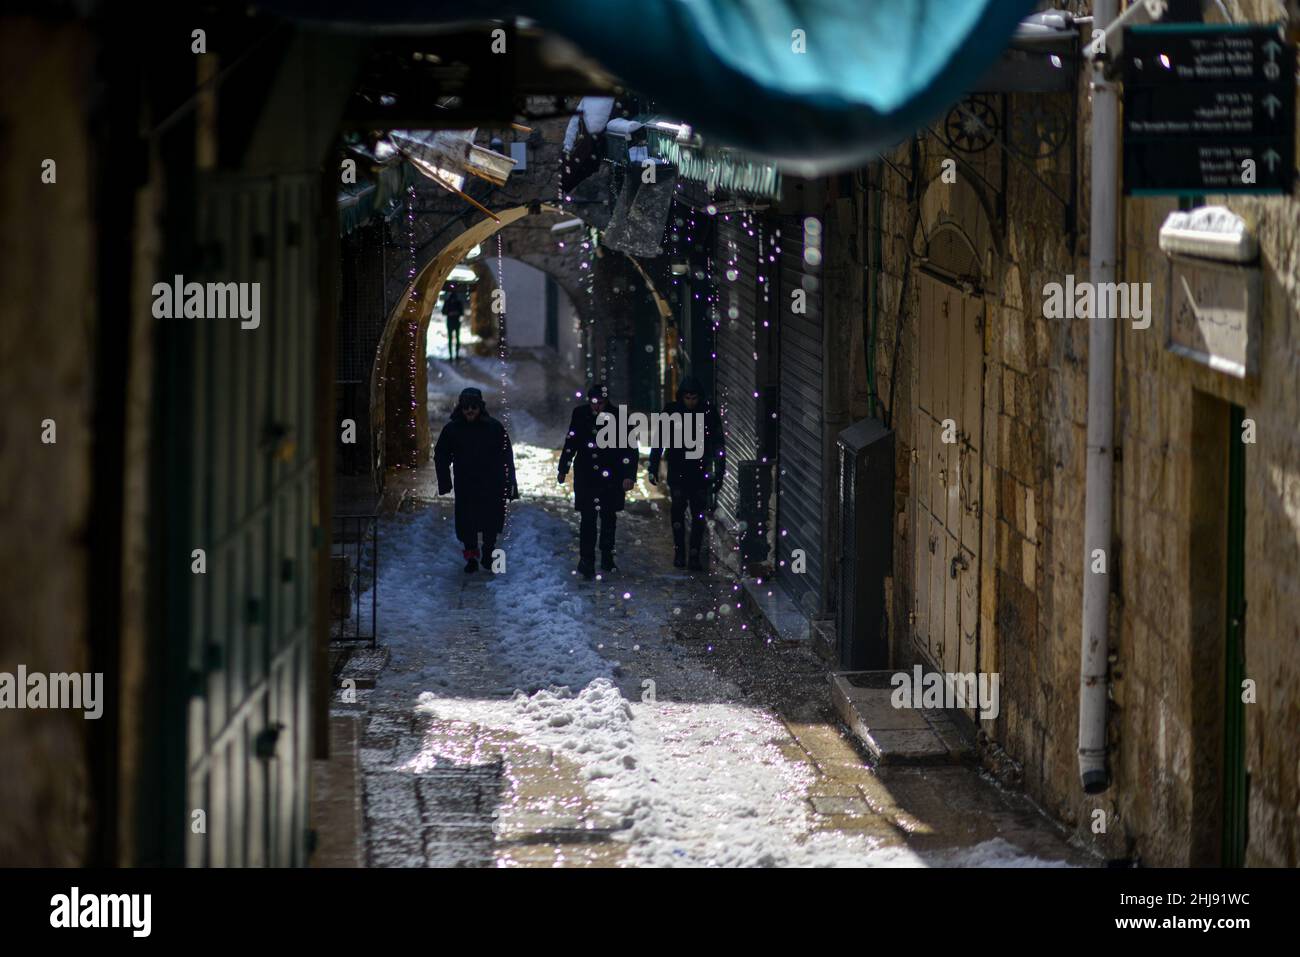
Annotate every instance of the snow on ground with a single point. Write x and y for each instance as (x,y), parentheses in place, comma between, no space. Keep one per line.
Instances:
(538,616)
(703,783)
(543,616)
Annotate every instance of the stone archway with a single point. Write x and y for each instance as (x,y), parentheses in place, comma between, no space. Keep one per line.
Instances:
(397,400)
(399,425)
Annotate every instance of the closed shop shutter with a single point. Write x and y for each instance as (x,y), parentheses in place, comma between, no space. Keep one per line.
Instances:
(801,483)
(734,344)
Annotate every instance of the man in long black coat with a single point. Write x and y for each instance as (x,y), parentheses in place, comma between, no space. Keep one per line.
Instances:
(601,479)
(476,447)
(692,480)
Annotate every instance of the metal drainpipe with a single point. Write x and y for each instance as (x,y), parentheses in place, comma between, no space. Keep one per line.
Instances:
(1101,425)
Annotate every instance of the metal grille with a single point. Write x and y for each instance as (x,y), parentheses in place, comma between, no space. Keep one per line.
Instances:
(362,305)
(354,584)
(950,252)
(362,313)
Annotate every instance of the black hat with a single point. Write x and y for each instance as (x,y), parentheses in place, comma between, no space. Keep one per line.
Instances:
(598,390)
(690,385)
(470,396)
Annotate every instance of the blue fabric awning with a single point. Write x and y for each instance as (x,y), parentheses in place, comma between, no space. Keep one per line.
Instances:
(873,71)
(870,72)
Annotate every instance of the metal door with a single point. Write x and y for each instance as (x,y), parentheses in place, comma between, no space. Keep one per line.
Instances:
(253,509)
(947,476)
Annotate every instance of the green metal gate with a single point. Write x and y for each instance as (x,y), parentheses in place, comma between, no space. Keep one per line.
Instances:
(252,507)
(1234,717)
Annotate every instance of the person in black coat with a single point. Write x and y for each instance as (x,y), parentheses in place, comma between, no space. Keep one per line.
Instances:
(601,479)
(453,309)
(691,481)
(476,447)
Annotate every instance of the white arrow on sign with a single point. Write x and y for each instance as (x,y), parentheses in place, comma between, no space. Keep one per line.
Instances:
(1271,49)
(1271,103)
(1272,159)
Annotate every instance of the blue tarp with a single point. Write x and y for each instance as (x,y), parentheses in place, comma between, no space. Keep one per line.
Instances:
(872,71)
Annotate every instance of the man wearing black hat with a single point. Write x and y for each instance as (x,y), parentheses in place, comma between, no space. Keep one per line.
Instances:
(691,480)
(477,447)
(601,478)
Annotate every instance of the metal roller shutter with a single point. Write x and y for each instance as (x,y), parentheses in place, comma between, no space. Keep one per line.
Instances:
(801,483)
(736,345)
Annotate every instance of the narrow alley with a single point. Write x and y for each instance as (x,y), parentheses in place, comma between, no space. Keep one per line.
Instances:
(619,438)
(531,719)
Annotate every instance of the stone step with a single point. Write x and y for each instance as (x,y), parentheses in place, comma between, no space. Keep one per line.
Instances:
(891,735)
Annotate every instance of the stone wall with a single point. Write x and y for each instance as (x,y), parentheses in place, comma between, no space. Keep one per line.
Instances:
(1166,623)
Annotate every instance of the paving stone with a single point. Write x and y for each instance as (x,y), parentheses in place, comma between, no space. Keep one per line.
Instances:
(384,723)
(450,847)
(377,759)
(391,796)
(530,758)
(829,786)
(397,848)
(838,804)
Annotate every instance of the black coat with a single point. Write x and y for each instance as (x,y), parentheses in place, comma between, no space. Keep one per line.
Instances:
(453,309)
(598,473)
(483,462)
(705,472)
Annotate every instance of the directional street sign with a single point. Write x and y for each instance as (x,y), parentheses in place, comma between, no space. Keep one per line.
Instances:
(1208,109)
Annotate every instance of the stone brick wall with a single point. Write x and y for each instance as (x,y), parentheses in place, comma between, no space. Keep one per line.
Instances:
(1164,721)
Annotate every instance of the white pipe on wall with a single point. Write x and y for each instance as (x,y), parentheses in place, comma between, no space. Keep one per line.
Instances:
(1101,424)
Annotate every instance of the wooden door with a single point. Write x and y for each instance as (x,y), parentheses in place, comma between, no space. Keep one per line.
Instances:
(947,475)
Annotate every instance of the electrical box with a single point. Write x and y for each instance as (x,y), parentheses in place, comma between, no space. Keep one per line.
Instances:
(866,512)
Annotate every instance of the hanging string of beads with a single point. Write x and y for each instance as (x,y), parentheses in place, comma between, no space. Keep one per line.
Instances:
(412,329)
(499,306)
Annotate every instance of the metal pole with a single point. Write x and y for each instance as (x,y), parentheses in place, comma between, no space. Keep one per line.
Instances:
(1101,424)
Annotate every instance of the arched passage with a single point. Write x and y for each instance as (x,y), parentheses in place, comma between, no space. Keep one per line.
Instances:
(397,400)
(399,425)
